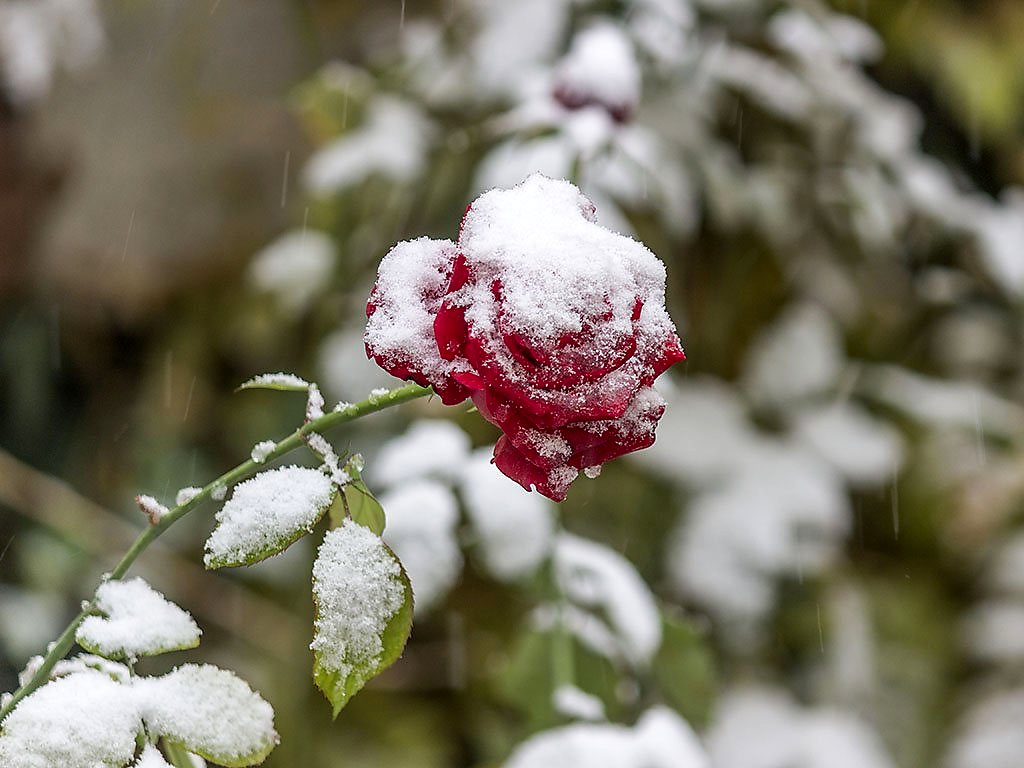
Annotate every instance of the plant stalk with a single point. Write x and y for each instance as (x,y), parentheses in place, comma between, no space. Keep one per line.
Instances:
(60,647)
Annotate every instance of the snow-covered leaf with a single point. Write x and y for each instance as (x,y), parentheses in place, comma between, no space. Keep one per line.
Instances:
(514,528)
(865,450)
(429,448)
(211,712)
(799,356)
(295,268)
(762,726)
(137,621)
(943,404)
(784,512)
(84,720)
(363,611)
(422,518)
(392,143)
(282,382)
(990,734)
(266,514)
(576,704)
(660,739)
(82,662)
(595,577)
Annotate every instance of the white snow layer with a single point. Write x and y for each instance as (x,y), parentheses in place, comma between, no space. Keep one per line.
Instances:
(601,66)
(152,508)
(515,41)
(415,273)
(266,511)
(991,734)
(814,39)
(513,528)
(430,448)
(422,517)
(38,37)
(261,450)
(942,403)
(660,739)
(393,142)
(798,356)
(595,577)
(137,621)
(210,710)
(83,720)
(295,268)
(1000,233)
(151,758)
(186,494)
(865,450)
(762,728)
(702,406)
(572,702)
(358,588)
(558,269)
(282,380)
(785,513)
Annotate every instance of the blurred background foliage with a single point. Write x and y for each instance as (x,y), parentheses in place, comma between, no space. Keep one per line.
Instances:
(133,197)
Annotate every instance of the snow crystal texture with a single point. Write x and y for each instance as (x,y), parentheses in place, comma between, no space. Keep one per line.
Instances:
(358,588)
(265,512)
(137,621)
(84,720)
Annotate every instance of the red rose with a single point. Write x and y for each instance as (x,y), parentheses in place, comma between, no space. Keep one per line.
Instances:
(555,326)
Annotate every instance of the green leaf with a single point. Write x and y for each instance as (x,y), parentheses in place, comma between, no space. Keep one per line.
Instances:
(362,507)
(527,681)
(132,619)
(354,569)
(280,382)
(177,755)
(210,712)
(268,513)
(685,670)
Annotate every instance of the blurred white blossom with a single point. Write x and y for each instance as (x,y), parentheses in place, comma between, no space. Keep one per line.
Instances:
(40,37)
(296,268)
(763,728)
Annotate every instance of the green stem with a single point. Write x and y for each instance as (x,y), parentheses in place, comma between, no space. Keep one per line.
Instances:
(563,655)
(563,661)
(59,649)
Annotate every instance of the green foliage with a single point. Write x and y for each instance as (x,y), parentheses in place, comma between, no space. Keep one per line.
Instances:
(276,538)
(275,385)
(684,670)
(84,642)
(339,686)
(177,755)
(529,681)
(358,502)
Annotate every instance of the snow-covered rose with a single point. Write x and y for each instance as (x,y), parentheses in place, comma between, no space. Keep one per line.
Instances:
(553,325)
(600,70)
